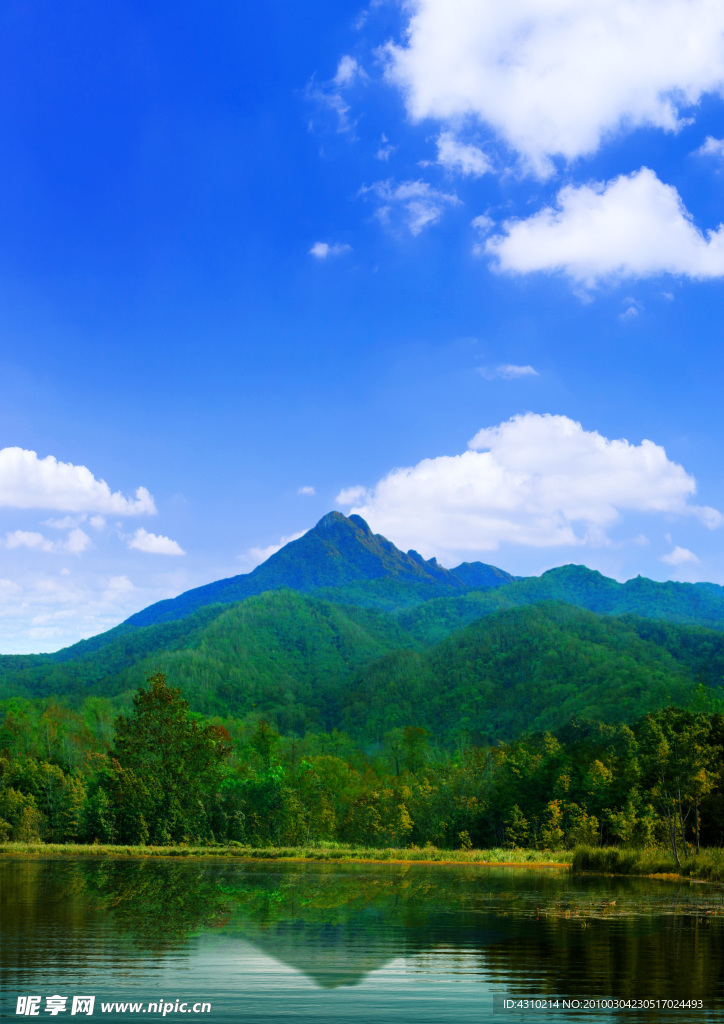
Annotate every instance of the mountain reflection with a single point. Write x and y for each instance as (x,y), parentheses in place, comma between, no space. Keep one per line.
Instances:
(535,932)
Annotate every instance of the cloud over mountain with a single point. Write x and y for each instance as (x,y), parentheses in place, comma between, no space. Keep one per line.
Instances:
(535,480)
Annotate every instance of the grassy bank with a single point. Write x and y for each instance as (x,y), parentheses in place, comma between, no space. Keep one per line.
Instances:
(707,865)
(323,852)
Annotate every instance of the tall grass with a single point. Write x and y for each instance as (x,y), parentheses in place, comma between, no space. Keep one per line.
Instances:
(706,865)
(321,852)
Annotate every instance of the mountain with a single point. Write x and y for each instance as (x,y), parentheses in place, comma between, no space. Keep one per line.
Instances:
(336,553)
(342,629)
(341,560)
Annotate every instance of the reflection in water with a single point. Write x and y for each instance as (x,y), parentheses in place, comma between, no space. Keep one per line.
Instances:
(384,941)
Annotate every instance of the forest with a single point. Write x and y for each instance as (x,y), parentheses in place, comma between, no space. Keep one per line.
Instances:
(160,773)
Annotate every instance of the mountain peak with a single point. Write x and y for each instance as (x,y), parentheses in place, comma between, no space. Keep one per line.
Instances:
(332,520)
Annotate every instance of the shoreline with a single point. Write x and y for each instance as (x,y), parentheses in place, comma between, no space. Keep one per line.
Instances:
(708,867)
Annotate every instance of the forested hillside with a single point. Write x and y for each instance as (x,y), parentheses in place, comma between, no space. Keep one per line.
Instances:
(159,775)
(307,664)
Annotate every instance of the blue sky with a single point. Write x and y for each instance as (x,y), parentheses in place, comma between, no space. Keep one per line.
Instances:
(267,260)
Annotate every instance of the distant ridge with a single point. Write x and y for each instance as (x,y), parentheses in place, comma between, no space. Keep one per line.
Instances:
(693,603)
(335,553)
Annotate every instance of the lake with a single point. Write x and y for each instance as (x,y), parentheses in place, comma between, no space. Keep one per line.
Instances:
(358,943)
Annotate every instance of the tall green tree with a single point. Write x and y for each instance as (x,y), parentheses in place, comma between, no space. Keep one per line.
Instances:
(178,762)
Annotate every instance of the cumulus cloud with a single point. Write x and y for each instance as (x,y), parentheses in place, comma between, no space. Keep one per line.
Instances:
(461,157)
(418,202)
(556,79)
(536,480)
(508,371)
(27,481)
(322,250)
(306,490)
(634,226)
(154,544)
(679,556)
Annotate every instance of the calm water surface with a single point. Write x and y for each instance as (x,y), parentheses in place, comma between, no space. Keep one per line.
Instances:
(351,943)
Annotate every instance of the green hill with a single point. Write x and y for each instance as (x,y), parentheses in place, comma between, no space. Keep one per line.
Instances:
(520,670)
(267,650)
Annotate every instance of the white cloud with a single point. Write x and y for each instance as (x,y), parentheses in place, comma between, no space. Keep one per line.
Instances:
(711,147)
(255,556)
(306,490)
(28,539)
(350,495)
(557,78)
(385,149)
(420,204)
(537,481)
(154,544)
(9,589)
(27,481)
(348,71)
(327,96)
(76,543)
(482,225)
(119,585)
(461,156)
(44,611)
(65,523)
(679,556)
(508,371)
(633,226)
(322,250)
(632,310)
